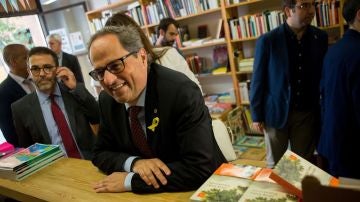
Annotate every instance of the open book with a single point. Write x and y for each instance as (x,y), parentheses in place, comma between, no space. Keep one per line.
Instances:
(241,183)
(292,169)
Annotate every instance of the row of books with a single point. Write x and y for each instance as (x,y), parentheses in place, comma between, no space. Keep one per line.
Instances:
(236,182)
(26,161)
(327,13)
(174,8)
(248,26)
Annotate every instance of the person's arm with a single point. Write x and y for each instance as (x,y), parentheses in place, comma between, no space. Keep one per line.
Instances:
(258,82)
(86,101)
(24,136)
(110,157)
(198,149)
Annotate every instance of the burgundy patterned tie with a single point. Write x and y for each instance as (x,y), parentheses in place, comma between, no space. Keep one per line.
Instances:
(64,130)
(138,135)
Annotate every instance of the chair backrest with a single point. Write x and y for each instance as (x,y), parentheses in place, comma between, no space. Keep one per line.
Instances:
(223,139)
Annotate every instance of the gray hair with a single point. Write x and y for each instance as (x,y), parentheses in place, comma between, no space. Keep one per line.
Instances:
(57,37)
(127,35)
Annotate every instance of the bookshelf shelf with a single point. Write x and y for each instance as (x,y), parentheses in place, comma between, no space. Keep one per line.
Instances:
(331,27)
(199,14)
(242,40)
(242,3)
(97,12)
(203,46)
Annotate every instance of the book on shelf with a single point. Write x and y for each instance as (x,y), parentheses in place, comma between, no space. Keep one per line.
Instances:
(292,169)
(244,92)
(220,29)
(246,65)
(27,161)
(222,185)
(220,57)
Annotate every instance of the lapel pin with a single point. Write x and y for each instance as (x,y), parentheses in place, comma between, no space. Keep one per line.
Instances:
(155,123)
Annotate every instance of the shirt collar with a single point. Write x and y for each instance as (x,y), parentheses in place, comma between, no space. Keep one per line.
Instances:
(17,78)
(43,97)
(141,100)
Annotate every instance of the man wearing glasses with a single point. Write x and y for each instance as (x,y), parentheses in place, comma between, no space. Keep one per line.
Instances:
(284,96)
(60,110)
(155,133)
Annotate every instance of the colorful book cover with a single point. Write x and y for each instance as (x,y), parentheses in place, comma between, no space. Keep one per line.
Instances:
(251,141)
(264,175)
(291,170)
(257,154)
(221,188)
(265,191)
(238,170)
(26,156)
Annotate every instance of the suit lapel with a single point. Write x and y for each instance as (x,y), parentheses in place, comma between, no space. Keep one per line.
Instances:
(152,113)
(34,106)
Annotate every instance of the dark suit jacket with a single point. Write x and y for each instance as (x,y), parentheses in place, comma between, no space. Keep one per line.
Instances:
(81,109)
(340,87)
(10,91)
(270,85)
(183,140)
(71,62)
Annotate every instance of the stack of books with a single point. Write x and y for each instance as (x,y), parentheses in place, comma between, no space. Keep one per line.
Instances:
(24,162)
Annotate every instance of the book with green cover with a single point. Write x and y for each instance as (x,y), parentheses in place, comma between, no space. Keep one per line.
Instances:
(27,156)
(251,141)
(241,183)
(221,188)
(292,169)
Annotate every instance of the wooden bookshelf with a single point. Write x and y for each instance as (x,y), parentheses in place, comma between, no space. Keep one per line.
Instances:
(227,12)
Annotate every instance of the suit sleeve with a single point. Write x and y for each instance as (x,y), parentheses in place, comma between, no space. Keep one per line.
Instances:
(24,136)
(108,155)
(258,80)
(88,104)
(6,121)
(199,153)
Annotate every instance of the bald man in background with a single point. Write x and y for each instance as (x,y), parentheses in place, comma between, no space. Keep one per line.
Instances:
(15,86)
(65,59)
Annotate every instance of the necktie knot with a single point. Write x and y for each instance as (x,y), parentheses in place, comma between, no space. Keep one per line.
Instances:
(134,111)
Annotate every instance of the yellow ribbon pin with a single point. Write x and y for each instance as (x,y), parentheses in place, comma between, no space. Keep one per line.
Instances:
(155,123)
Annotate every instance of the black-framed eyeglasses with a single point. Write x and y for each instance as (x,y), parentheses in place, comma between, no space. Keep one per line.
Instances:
(35,70)
(114,67)
(305,5)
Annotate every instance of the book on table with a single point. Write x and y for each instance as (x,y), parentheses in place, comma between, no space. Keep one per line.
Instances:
(240,183)
(27,161)
(292,169)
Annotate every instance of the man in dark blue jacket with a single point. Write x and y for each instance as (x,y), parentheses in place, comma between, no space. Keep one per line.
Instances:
(14,87)
(285,84)
(340,89)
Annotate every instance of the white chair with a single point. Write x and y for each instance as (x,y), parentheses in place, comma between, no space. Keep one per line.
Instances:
(223,139)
